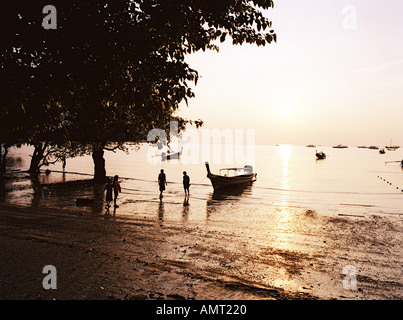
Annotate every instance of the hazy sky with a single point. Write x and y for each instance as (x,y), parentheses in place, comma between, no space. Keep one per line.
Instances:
(329,79)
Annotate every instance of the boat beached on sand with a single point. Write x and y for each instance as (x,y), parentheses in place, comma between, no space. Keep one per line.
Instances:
(231,177)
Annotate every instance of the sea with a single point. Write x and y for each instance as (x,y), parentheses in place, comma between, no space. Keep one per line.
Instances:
(350,181)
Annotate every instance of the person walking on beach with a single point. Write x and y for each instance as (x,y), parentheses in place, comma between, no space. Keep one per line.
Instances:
(108,187)
(116,190)
(162,181)
(186,182)
(186,185)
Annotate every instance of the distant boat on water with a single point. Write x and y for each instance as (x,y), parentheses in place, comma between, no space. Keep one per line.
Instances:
(391,147)
(362,147)
(171,156)
(340,146)
(231,177)
(310,146)
(381,151)
(320,155)
(374,147)
(401,163)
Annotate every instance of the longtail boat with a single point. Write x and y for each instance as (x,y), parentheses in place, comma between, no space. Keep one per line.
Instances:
(231,177)
(171,156)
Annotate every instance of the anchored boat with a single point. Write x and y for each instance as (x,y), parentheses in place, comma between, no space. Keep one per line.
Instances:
(171,156)
(231,177)
(340,146)
(320,155)
(391,147)
(401,163)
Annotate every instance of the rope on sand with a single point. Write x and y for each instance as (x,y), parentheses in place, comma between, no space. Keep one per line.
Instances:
(125,178)
(198,184)
(90,174)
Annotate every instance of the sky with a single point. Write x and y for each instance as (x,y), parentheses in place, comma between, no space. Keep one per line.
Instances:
(335,76)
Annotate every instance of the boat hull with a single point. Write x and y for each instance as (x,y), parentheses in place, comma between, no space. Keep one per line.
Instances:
(224,183)
(170,156)
(220,182)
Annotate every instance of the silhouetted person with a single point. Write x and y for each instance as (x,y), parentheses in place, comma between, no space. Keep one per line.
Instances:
(162,181)
(116,189)
(108,187)
(186,182)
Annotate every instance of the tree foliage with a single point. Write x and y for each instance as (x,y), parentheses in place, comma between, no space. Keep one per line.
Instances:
(113,69)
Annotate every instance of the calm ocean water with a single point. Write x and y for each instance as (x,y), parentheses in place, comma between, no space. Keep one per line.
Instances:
(350,181)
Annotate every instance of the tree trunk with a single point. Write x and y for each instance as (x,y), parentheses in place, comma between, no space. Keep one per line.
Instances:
(3,159)
(99,165)
(37,157)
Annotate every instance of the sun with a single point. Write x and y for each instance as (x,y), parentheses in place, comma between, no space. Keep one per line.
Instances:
(285,107)
(286,111)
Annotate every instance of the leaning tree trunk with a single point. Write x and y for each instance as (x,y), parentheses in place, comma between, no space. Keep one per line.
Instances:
(99,164)
(37,157)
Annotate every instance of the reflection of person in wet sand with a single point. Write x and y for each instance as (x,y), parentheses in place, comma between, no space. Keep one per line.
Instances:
(162,181)
(161,213)
(185,211)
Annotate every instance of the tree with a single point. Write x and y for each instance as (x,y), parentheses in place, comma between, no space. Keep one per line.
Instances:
(113,70)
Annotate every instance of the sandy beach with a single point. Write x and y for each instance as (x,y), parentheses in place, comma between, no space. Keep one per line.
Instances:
(107,258)
(100,256)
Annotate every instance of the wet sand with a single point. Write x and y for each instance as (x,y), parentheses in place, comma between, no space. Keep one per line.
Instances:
(106,258)
(100,256)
